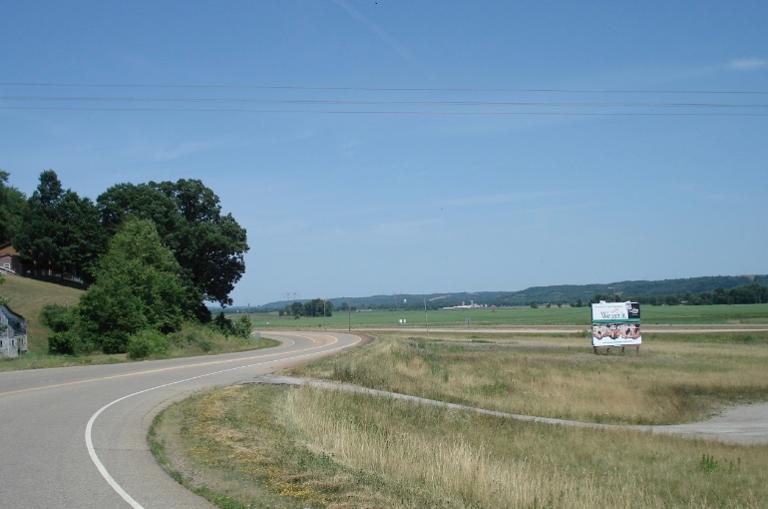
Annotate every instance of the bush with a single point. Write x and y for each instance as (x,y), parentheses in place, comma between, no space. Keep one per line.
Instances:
(147,342)
(68,342)
(194,336)
(224,324)
(59,318)
(243,326)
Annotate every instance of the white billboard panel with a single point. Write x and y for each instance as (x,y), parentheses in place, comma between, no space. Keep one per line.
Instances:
(616,324)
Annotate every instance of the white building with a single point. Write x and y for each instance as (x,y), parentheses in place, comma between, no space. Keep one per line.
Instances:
(13,334)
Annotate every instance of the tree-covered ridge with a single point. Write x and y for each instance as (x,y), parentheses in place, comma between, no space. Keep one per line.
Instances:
(677,290)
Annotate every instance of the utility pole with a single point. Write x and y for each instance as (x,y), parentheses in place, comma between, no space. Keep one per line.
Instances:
(349,317)
(426,318)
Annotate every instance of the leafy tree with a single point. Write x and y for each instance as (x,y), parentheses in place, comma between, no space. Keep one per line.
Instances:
(138,286)
(37,240)
(12,206)
(61,231)
(209,246)
(296,309)
(317,307)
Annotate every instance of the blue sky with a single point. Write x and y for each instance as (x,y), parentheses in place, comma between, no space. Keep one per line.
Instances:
(356,204)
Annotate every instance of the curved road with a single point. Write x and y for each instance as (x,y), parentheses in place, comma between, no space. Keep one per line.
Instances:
(76,437)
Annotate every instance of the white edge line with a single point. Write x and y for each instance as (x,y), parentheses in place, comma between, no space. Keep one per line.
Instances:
(89,427)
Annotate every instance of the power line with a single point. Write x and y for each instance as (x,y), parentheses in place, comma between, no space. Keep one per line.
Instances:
(618,104)
(554,90)
(395,112)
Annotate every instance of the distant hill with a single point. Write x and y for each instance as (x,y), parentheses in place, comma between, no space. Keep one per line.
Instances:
(28,296)
(543,294)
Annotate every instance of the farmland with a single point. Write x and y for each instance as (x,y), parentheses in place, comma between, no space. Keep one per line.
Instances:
(488,317)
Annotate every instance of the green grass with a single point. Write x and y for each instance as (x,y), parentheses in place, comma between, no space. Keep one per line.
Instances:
(254,446)
(670,381)
(28,297)
(721,314)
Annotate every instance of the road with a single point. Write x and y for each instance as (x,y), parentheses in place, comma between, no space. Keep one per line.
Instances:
(76,437)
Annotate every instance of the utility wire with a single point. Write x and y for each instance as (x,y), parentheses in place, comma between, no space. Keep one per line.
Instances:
(397,112)
(376,89)
(579,104)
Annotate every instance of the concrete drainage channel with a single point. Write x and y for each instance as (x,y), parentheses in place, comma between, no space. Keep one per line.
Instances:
(742,424)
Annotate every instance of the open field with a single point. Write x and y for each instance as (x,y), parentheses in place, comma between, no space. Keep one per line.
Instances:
(28,297)
(257,446)
(671,381)
(719,314)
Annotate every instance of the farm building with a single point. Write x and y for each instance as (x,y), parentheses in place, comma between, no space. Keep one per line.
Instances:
(9,259)
(13,333)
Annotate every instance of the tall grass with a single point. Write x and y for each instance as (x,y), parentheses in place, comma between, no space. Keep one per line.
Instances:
(668,382)
(277,447)
(473,461)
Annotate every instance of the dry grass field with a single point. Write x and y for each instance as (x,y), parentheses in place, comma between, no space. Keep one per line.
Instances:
(674,379)
(256,446)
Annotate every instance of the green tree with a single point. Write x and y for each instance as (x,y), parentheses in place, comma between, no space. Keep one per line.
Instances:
(37,240)
(61,231)
(138,286)
(12,206)
(209,246)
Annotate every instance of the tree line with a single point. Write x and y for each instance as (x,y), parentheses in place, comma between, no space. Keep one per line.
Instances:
(150,255)
(312,308)
(746,294)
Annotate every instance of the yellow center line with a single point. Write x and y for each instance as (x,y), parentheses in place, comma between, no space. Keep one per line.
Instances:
(173,368)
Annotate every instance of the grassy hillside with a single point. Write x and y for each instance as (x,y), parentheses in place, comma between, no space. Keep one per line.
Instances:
(28,296)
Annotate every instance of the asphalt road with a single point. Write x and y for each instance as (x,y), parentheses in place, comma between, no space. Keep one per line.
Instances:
(76,437)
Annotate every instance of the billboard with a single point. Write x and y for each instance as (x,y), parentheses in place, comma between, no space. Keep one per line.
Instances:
(616,324)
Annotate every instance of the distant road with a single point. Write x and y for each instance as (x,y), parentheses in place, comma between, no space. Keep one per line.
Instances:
(76,437)
(572,329)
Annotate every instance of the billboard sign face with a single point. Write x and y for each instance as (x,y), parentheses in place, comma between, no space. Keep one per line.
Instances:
(616,324)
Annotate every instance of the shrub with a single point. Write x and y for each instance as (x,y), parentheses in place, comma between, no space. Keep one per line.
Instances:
(58,318)
(224,324)
(147,342)
(68,342)
(194,336)
(243,326)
